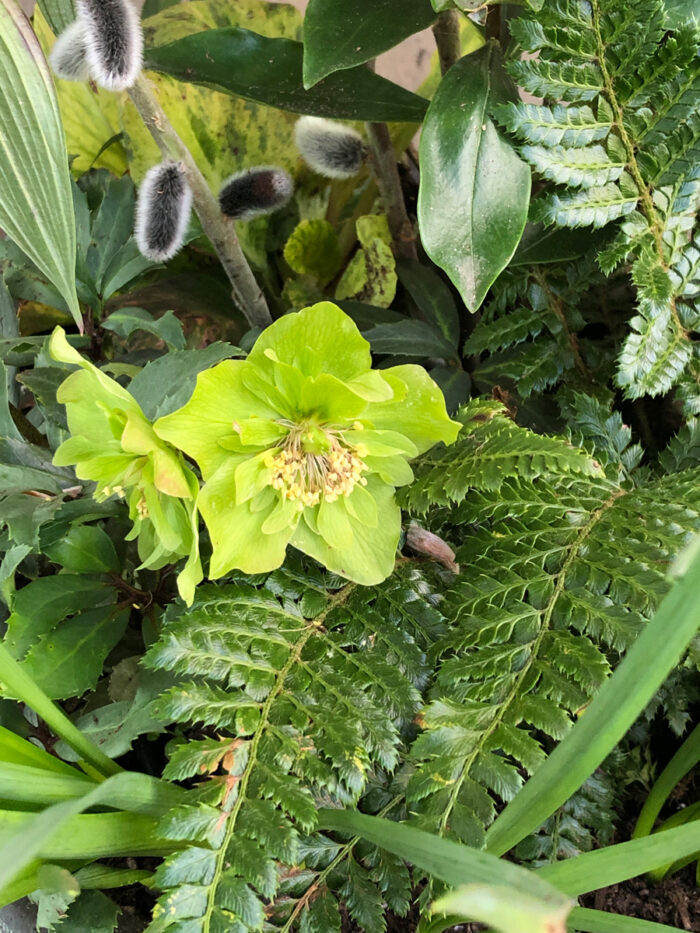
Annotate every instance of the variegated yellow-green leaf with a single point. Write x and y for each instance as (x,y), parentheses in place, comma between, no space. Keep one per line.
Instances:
(371,273)
(36,205)
(223,133)
(313,249)
(90,117)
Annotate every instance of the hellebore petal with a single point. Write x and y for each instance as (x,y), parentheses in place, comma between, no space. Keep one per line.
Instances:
(421,415)
(114,445)
(220,399)
(237,537)
(370,559)
(319,339)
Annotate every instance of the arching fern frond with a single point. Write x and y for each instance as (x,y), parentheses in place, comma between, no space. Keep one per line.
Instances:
(301,691)
(627,149)
(561,570)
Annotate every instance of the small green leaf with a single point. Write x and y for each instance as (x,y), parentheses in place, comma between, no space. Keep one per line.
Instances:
(475,190)
(409,338)
(85,549)
(337,36)
(69,661)
(269,71)
(36,205)
(313,249)
(433,296)
(127,320)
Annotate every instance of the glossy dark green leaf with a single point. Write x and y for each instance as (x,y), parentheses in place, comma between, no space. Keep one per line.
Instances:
(127,320)
(69,660)
(433,297)
(58,13)
(269,71)
(475,190)
(85,549)
(338,35)
(553,244)
(408,338)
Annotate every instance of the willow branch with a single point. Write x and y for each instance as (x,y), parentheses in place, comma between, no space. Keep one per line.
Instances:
(386,172)
(246,292)
(446,33)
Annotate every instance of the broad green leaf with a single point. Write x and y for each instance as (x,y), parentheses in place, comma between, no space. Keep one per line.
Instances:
(270,71)
(68,661)
(59,13)
(408,338)
(127,320)
(36,205)
(433,297)
(338,35)
(168,382)
(474,189)
(85,549)
(313,249)
(496,906)
(93,911)
(620,701)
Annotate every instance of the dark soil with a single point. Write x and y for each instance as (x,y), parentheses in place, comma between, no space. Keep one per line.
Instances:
(675,901)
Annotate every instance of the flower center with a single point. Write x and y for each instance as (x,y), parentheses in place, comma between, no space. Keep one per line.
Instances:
(313,465)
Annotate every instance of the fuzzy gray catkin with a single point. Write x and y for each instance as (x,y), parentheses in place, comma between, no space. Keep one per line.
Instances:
(163,211)
(329,148)
(113,41)
(68,57)
(255,191)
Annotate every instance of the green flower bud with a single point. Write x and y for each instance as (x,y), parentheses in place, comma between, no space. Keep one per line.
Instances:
(113,444)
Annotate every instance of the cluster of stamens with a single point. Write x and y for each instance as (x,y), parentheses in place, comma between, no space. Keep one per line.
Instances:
(308,477)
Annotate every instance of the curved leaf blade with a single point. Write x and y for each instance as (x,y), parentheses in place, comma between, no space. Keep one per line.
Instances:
(269,71)
(36,205)
(475,190)
(337,36)
(59,13)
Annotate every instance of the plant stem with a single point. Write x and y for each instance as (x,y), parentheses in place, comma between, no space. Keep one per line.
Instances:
(247,294)
(446,32)
(386,173)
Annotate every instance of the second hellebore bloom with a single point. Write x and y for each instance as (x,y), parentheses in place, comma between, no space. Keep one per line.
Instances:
(113,443)
(304,443)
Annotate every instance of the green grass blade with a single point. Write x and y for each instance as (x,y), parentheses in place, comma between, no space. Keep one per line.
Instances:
(18,684)
(599,921)
(23,784)
(450,861)
(619,702)
(687,756)
(603,867)
(36,205)
(60,833)
(19,751)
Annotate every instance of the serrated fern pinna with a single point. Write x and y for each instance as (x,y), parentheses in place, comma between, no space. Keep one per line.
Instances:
(617,139)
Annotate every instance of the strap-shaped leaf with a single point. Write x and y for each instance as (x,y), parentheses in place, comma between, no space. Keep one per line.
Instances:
(269,71)
(36,205)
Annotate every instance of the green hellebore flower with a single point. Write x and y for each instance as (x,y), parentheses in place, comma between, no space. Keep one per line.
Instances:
(113,444)
(304,443)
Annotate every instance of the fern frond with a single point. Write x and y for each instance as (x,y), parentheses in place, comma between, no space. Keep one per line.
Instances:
(563,572)
(490,449)
(628,148)
(302,693)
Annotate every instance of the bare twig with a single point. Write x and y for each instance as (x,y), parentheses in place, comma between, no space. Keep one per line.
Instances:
(446,32)
(385,170)
(220,230)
